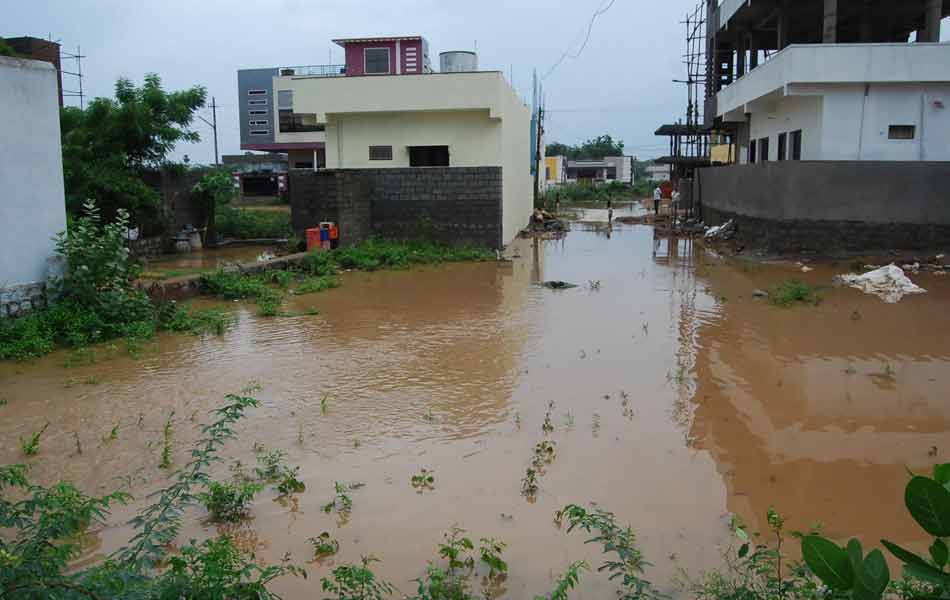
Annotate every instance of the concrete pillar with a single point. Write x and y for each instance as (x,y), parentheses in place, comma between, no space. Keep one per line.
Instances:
(782,40)
(932,14)
(831,22)
(753,52)
(740,54)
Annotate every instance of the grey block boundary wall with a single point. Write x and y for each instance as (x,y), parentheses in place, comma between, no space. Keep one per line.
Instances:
(830,206)
(18,300)
(457,205)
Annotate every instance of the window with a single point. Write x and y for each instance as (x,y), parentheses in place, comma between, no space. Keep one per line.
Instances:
(261,102)
(260,132)
(380,152)
(258,123)
(376,61)
(901,132)
(797,145)
(257,92)
(300,164)
(296,123)
(285,100)
(547,173)
(763,149)
(257,113)
(428,156)
(782,145)
(752,150)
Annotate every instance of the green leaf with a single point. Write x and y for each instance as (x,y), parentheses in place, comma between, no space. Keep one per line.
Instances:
(855,554)
(929,504)
(927,573)
(743,550)
(828,562)
(872,577)
(942,473)
(741,534)
(939,553)
(906,556)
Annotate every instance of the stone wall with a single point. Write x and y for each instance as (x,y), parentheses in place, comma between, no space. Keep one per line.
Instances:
(830,206)
(18,300)
(451,204)
(148,247)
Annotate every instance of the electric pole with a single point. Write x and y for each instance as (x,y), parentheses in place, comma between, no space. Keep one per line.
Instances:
(213,124)
(537,154)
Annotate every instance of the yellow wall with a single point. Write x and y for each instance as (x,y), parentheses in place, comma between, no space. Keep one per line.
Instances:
(553,164)
(473,139)
(722,153)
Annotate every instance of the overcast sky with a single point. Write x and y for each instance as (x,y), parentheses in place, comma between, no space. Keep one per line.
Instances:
(621,84)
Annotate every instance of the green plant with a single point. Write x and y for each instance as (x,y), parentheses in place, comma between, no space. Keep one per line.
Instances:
(31,445)
(229,500)
(324,403)
(312,285)
(529,484)
(324,544)
(246,224)
(423,480)
(543,453)
(356,582)
(628,565)
(490,551)
(791,291)
(289,484)
(167,433)
(341,501)
(270,463)
(566,582)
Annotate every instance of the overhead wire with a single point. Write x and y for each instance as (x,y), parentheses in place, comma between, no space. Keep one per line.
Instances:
(590,27)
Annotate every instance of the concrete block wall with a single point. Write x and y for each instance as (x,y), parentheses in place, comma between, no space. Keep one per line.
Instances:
(452,204)
(825,206)
(18,300)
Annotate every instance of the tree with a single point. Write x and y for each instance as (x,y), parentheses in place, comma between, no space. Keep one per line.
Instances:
(5,49)
(593,149)
(108,147)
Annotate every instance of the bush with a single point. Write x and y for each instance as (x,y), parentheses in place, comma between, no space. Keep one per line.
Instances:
(577,193)
(792,291)
(230,500)
(244,224)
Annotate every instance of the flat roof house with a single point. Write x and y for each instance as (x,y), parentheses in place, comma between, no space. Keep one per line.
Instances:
(386,114)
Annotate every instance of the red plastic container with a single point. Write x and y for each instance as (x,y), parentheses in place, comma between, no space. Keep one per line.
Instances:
(313,238)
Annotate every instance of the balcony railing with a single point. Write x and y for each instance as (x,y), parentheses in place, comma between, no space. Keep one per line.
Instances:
(314,71)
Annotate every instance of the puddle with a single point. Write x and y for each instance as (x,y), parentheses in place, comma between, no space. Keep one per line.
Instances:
(206,259)
(679,398)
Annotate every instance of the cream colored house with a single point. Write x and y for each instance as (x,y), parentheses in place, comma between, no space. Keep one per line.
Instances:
(463,119)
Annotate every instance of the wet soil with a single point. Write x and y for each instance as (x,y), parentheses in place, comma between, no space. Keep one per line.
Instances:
(679,399)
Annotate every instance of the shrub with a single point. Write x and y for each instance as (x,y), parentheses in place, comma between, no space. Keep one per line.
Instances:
(229,500)
(792,291)
(245,224)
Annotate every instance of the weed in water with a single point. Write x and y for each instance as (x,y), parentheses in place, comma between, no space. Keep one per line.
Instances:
(356,582)
(312,285)
(3,402)
(91,380)
(78,443)
(300,436)
(167,442)
(229,501)
(529,484)
(543,454)
(113,434)
(518,420)
(31,445)
(324,545)
(569,419)
(341,502)
(566,582)
(423,480)
(791,291)
(324,403)
(270,463)
(289,484)
(428,417)
(490,551)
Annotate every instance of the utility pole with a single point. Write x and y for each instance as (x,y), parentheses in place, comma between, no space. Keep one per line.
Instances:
(537,153)
(214,127)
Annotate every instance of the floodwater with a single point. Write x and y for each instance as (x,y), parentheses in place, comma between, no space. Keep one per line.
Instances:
(208,258)
(679,399)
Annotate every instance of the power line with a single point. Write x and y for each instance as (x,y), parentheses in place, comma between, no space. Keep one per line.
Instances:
(590,28)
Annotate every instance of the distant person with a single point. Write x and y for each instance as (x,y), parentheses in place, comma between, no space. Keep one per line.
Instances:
(557,203)
(657,195)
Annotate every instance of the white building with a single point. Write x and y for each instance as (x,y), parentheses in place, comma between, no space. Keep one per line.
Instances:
(33,208)
(855,90)
(658,173)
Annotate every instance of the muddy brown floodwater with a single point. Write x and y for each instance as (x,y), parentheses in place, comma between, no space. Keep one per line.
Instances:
(678,399)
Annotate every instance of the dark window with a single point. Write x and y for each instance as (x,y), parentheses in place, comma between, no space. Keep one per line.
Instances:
(752,150)
(380,152)
(257,113)
(782,145)
(303,164)
(763,149)
(547,172)
(257,92)
(261,102)
(901,132)
(376,61)
(797,145)
(298,122)
(260,132)
(258,123)
(428,156)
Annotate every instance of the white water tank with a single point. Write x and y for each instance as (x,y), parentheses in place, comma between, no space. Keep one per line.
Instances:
(458,61)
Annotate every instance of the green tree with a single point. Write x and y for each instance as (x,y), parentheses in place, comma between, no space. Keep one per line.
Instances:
(593,149)
(215,190)
(108,147)
(5,49)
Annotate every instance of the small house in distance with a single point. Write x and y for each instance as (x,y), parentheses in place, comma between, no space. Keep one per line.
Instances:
(383,145)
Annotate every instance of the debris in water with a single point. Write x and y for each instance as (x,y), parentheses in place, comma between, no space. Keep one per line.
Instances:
(558,285)
(723,232)
(760,294)
(887,283)
(266,256)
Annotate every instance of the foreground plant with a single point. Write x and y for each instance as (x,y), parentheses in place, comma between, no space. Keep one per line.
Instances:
(566,582)
(453,581)
(356,582)
(341,502)
(44,525)
(423,480)
(324,545)
(31,445)
(229,501)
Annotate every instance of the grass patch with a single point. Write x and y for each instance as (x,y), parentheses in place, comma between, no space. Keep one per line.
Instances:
(244,224)
(791,291)
(374,254)
(172,273)
(311,285)
(584,194)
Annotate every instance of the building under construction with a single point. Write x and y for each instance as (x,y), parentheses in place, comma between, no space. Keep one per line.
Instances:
(830,118)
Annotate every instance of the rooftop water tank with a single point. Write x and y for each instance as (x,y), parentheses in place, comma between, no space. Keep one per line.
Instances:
(458,61)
